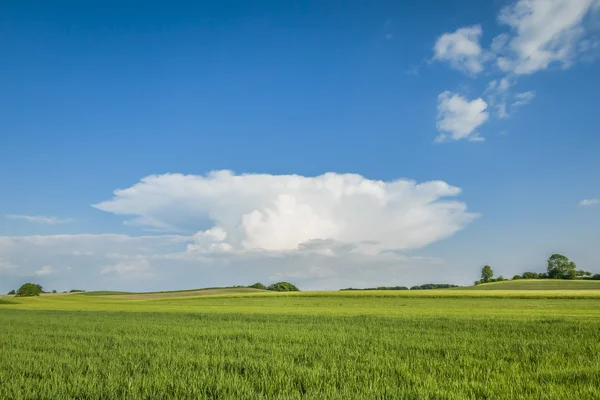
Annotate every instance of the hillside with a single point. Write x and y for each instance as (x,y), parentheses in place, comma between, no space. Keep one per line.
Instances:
(174,293)
(537,284)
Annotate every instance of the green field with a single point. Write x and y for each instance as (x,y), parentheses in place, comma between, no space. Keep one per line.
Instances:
(538,284)
(437,344)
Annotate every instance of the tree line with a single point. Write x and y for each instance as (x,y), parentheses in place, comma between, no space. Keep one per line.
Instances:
(417,287)
(558,267)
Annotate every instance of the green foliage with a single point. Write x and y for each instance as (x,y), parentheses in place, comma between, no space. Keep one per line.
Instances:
(54,291)
(345,345)
(380,288)
(76,291)
(258,285)
(428,286)
(283,287)
(486,274)
(531,275)
(12,292)
(560,267)
(500,279)
(29,290)
(516,277)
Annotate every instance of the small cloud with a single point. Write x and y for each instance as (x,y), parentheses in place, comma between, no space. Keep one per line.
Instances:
(461,49)
(412,71)
(5,265)
(40,219)
(523,98)
(388,29)
(45,270)
(501,111)
(589,202)
(458,117)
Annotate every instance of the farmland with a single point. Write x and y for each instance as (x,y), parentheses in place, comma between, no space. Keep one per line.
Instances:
(437,344)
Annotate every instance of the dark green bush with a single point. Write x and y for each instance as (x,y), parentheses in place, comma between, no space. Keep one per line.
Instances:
(12,292)
(517,277)
(29,290)
(283,287)
(258,285)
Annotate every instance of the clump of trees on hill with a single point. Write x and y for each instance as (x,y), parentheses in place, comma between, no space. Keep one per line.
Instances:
(258,285)
(29,290)
(559,267)
(276,287)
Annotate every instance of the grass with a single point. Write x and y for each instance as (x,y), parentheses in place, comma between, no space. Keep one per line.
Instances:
(456,344)
(538,284)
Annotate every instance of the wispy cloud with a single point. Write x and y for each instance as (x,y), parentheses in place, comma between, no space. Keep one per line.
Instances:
(45,270)
(40,219)
(589,202)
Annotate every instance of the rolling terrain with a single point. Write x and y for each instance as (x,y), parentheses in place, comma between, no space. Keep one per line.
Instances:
(229,343)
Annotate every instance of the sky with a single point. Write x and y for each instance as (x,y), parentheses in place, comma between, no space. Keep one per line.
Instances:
(158,146)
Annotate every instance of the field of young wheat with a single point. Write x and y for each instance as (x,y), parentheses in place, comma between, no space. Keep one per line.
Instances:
(319,346)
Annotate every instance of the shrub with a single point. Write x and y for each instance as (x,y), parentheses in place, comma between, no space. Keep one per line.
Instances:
(428,286)
(531,275)
(76,291)
(54,291)
(283,287)
(29,290)
(517,277)
(500,279)
(12,292)
(258,285)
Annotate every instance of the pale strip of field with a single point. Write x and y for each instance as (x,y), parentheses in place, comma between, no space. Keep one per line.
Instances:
(185,293)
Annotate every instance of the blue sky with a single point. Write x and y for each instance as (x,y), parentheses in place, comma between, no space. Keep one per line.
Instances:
(495,101)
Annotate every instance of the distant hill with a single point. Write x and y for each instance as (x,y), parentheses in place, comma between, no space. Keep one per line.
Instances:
(174,293)
(537,284)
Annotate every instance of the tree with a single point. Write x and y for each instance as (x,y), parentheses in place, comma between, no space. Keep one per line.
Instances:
(12,292)
(530,275)
(54,291)
(283,287)
(258,285)
(29,289)
(486,273)
(517,277)
(500,278)
(560,267)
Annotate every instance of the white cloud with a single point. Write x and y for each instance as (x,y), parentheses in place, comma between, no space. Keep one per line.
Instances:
(281,212)
(589,202)
(544,32)
(523,98)
(159,263)
(45,270)
(132,266)
(40,219)
(459,117)
(461,49)
(324,232)
(500,97)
